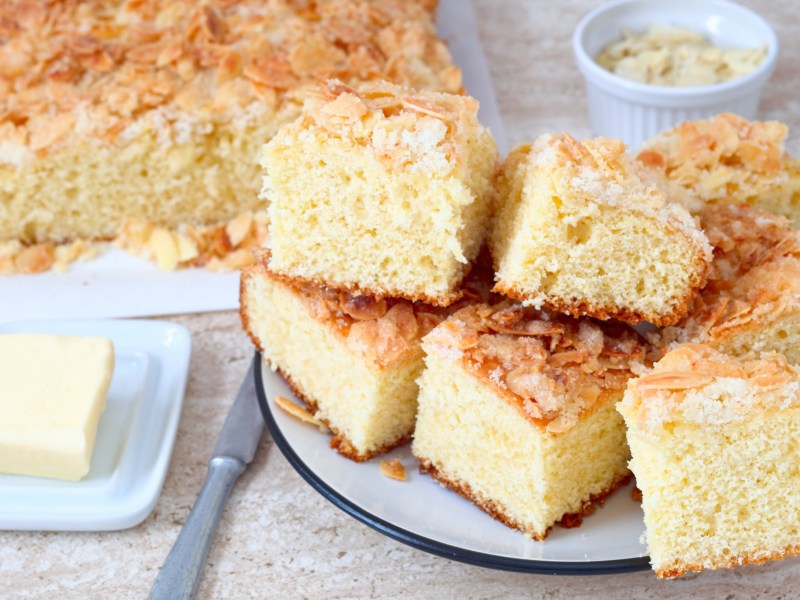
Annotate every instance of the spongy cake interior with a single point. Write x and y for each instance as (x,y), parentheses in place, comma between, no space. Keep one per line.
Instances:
(208,179)
(487,449)
(555,243)
(693,523)
(344,213)
(369,408)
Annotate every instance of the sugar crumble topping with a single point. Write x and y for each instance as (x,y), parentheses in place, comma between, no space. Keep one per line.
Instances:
(108,70)
(556,367)
(697,384)
(754,277)
(726,158)
(601,169)
(420,130)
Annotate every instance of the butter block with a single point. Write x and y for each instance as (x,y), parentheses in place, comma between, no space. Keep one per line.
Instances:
(52,392)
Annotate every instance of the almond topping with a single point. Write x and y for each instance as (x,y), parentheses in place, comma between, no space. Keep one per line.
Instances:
(527,328)
(239,228)
(570,356)
(402,316)
(88,49)
(298,412)
(35,259)
(164,248)
(770,380)
(362,308)
(674,380)
(393,469)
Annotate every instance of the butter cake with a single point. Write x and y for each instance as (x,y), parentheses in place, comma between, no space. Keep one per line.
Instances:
(156,110)
(354,360)
(382,190)
(584,229)
(752,300)
(714,443)
(729,160)
(516,412)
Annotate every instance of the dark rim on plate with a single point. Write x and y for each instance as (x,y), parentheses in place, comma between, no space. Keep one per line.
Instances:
(490,561)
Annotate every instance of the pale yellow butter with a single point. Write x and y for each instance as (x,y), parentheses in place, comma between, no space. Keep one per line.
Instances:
(52,392)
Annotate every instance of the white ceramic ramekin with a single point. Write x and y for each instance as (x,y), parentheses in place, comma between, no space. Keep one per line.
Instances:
(635,112)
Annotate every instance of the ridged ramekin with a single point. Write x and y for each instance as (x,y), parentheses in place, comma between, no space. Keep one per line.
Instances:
(635,112)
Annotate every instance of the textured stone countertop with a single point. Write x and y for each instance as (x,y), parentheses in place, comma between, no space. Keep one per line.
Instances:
(279,538)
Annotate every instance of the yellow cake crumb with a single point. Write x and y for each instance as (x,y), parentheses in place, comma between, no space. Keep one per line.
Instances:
(393,469)
(354,360)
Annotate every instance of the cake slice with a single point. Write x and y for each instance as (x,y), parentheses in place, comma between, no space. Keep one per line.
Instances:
(516,412)
(584,229)
(728,160)
(354,360)
(752,300)
(156,110)
(382,191)
(714,442)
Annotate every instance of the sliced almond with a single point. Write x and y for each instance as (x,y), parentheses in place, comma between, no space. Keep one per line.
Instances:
(393,469)
(239,228)
(362,308)
(674,380)
(35,259)
(770,380)
(164,248)
(298,412)
(570,356)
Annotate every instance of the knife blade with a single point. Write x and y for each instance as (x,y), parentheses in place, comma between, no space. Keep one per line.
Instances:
(237,443)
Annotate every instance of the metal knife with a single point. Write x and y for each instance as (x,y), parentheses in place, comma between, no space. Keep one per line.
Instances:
(235,448)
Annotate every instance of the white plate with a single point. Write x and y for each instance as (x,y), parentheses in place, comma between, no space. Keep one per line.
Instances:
(134,438)
(423,514)
(117,284)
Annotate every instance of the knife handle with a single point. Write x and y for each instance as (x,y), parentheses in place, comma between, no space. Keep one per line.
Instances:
(180,573)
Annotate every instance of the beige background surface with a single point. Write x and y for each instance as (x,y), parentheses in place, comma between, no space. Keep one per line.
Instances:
(281,539)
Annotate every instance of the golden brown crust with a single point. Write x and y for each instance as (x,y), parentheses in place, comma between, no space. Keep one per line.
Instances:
(586,309)
(442,301)
(244,306)
(493,509)
(676,569)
